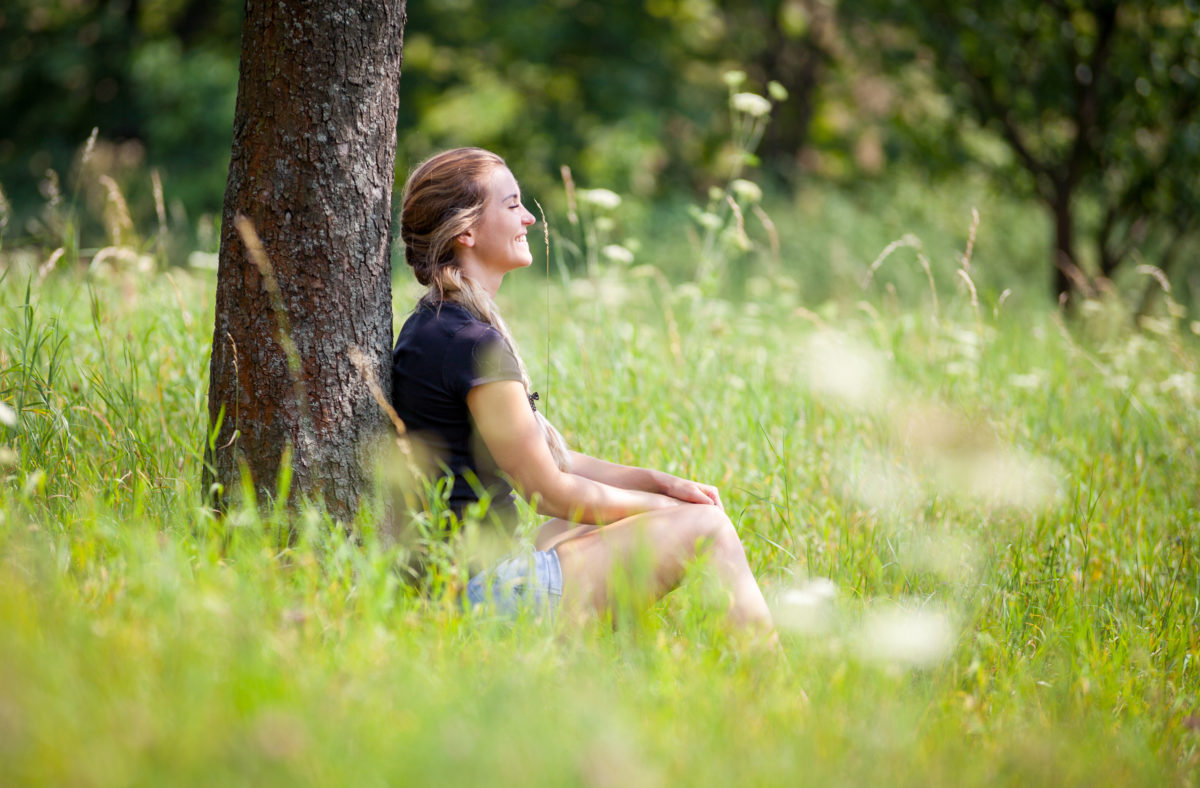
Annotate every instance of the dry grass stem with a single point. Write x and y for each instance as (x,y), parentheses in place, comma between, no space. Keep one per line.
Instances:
(966,258)
(743,239)
(910,241)
(1157,274)
(363,365)
(160,210)
(258,257)
(772,233)
(119,221)
(962,273)
(569,185)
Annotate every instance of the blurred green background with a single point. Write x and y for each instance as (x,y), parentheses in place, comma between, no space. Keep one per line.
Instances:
(892,110)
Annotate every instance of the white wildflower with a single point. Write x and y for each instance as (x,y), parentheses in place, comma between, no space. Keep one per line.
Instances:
(843,370)
(1157,325)
(35,482)
(1029,380)
(708,220)
(807,609)
(601,198)
(918,638)
(746,190)
(617,253)
(752,104)
(1013,479)
(777,91)
(734,77)
(8,416)
(1182,383)
(204,260)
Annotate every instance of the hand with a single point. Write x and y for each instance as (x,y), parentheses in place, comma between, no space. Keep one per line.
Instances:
(689,491)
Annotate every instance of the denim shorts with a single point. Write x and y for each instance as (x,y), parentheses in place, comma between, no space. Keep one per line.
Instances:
(526,580)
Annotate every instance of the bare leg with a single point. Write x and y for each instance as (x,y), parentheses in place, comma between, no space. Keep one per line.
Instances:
(666,539)
(556,531)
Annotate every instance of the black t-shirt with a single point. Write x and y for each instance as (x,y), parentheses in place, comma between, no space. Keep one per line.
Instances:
(442,352)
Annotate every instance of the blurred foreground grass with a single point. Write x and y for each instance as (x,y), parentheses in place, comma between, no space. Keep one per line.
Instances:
(980,528)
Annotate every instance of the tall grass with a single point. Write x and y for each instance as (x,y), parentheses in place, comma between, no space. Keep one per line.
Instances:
(979,530)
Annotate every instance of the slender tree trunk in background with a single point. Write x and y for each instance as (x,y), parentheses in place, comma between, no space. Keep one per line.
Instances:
(1064,247)
(312,169)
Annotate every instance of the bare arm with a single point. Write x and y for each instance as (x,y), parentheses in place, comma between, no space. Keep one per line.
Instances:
(511,433)
(633,478)
(624,476)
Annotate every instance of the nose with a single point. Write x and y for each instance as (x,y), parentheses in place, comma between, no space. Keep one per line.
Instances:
(528,219)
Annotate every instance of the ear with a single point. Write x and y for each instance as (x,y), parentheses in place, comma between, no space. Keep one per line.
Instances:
(466,239)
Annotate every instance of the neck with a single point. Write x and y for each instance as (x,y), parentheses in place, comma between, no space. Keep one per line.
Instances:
(487,279)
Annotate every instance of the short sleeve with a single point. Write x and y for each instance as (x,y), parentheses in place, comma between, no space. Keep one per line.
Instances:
(481,355)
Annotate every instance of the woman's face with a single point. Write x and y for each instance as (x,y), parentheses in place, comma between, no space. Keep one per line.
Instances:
(500,238)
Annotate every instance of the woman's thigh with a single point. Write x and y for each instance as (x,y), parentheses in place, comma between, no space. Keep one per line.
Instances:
(650,549)
(556,531)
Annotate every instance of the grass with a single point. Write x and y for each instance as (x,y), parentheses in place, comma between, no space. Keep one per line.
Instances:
(1004,503)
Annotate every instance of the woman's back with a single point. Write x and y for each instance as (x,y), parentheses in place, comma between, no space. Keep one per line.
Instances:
(442,352)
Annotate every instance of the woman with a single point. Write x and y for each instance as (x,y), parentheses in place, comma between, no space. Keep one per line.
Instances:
(460,386)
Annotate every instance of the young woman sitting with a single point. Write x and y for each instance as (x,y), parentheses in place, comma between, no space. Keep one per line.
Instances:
(461,388)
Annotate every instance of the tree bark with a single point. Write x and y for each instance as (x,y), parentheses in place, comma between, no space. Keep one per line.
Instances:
(1064,248)
(312,169)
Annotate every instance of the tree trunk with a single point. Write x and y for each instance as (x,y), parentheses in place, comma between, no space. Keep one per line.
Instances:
(312,169)
(1066,270)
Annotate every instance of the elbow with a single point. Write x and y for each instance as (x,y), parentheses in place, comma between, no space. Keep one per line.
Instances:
(551,495)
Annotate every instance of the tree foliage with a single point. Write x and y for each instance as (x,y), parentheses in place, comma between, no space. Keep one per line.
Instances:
(1095,105)
(160,75)
(629,95)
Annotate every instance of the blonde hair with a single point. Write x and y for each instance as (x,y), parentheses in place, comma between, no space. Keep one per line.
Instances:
(443,198)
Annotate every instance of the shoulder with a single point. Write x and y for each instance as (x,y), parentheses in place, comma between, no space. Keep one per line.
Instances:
(444,325)
(466,350)
(458,325)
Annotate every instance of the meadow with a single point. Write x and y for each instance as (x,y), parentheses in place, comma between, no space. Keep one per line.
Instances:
(976,518)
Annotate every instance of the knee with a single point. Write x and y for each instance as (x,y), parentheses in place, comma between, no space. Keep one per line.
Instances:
(714,527)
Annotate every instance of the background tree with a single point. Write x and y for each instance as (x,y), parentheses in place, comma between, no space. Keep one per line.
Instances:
(157,78)
(1095,103)
(628,94)
(312,170)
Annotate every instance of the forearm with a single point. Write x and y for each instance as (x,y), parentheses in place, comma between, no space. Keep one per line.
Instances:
(579,499)
(625,477)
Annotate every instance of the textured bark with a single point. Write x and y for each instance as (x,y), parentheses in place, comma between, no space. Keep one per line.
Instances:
(312,168)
